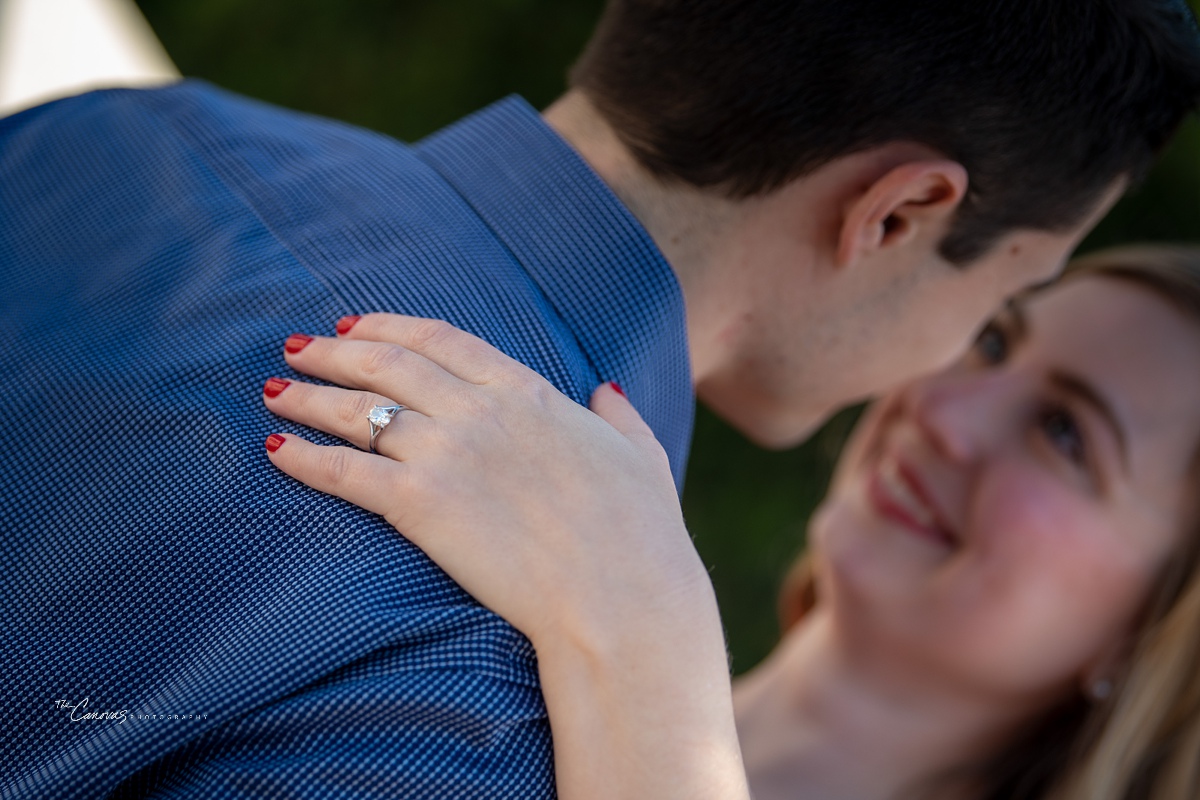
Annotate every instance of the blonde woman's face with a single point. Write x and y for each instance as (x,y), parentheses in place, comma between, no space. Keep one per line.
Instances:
(999,526)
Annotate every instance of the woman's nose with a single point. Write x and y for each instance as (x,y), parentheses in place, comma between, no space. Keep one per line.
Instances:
(961,414)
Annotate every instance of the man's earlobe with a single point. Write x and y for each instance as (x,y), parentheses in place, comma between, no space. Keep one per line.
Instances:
(901,204)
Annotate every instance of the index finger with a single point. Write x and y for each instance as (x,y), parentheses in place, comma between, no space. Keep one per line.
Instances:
(462,354)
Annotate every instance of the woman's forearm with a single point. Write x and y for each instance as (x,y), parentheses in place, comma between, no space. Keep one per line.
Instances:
(645,710)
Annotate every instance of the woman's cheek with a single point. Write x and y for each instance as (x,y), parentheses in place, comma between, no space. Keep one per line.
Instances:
(1052,583)
(1045,534)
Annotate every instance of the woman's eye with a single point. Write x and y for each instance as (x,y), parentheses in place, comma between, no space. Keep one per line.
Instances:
(1063,433)
(992,344)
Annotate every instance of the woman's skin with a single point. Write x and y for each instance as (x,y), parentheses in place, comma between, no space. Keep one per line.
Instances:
(986,546)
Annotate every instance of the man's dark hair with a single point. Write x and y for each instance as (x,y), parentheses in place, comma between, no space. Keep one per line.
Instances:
(1045,102)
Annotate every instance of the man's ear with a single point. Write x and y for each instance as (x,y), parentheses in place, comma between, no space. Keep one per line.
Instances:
(909,199)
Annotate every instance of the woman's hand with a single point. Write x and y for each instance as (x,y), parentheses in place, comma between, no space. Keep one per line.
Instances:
(544,511)
(563,521)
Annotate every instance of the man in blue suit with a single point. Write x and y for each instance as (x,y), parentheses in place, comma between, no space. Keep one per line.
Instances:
(838,193)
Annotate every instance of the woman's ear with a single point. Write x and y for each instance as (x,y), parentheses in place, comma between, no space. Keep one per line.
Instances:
(909,200)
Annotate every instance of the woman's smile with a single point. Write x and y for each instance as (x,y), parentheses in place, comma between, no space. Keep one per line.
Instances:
(897,493)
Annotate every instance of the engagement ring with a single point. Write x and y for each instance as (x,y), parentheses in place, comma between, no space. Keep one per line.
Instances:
(379,417)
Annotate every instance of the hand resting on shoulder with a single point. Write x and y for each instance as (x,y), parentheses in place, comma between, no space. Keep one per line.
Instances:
(563,520)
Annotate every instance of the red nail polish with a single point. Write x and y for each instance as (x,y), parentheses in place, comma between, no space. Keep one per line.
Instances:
(274,442)
(346,323)
(274,386)
(617,388)
(296,342)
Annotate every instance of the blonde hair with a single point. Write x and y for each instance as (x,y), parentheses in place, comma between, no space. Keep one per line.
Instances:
(1143,741)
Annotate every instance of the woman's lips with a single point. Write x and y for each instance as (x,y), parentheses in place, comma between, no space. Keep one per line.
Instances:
(897,495)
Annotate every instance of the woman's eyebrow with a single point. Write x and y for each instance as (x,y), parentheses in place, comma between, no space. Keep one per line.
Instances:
(1080,388)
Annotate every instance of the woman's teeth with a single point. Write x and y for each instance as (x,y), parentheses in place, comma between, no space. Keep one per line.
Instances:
(903,496)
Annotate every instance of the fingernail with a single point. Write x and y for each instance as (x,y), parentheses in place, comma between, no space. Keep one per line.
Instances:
(296,342)
(346,323)
(274,442)
(274,386)
(617,388)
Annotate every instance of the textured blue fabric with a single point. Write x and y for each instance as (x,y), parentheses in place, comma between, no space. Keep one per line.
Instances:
(245,635)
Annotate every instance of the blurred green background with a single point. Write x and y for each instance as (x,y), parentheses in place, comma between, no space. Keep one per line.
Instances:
(408,67)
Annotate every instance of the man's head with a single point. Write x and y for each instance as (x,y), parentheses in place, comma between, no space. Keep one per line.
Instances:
(923,142)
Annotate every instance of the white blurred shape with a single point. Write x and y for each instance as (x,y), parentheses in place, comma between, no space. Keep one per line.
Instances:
(58,48)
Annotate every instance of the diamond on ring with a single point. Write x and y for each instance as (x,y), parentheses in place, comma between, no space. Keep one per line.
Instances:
(379,417)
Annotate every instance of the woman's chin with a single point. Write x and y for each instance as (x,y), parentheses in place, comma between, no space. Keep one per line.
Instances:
(865,571)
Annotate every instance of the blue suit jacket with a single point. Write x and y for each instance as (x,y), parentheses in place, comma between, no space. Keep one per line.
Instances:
(181,620)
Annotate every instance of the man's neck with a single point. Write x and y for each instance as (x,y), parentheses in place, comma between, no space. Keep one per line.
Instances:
(694,229)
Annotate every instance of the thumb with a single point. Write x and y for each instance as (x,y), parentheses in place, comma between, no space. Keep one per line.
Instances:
(610,404)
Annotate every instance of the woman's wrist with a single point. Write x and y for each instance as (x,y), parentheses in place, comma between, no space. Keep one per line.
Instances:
(644,708)
(677,620)
(614,598)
